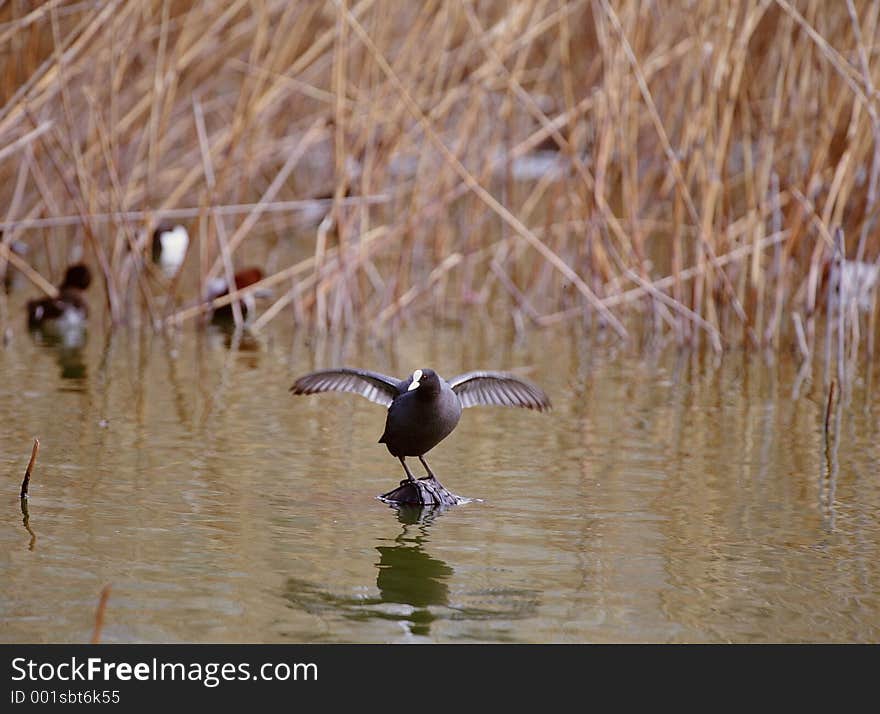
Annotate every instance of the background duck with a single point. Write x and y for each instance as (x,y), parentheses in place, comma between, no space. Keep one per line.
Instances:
(169,247)
(218,287)
(69,308)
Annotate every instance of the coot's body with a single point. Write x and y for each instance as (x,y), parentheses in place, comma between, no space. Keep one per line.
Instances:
(420,419)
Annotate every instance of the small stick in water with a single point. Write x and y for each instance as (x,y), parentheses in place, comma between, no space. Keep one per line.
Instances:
(99,614)
(30,466)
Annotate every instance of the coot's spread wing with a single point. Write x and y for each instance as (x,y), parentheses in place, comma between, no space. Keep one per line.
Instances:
(376,387)
(500,388)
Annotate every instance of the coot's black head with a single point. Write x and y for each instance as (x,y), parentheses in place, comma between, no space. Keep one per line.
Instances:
(78,277)
(425,383)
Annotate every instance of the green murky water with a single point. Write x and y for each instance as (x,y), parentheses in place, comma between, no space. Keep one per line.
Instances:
(666,498)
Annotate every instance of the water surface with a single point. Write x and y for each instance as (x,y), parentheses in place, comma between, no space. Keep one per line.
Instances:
(667,498)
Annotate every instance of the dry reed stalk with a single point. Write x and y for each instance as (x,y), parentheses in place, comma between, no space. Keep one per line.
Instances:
(829,322)
(228,269)
(25,140)
(840,256)
(340,60)
(801,337)
(872,327)
(6,239)
(324,228)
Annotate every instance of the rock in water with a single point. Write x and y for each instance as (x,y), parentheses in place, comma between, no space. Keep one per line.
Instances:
(426,491)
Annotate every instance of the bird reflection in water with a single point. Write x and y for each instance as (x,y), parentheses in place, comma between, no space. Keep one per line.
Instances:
(241,343)
(67,346)
(413,585)
(409,576)
(239,340)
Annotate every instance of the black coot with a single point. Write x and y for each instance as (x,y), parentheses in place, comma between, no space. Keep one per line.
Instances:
(424,408)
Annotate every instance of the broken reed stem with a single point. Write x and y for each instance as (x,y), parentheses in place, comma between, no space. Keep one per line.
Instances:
(99,614)
(27,472)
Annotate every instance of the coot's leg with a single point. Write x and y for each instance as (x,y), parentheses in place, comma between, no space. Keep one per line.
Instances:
(406,468)
(427,468)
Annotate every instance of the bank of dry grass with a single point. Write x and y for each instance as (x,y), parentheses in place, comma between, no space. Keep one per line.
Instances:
(706,152)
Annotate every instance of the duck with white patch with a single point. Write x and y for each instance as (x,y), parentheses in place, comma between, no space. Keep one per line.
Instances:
(424,408)
(169,247)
